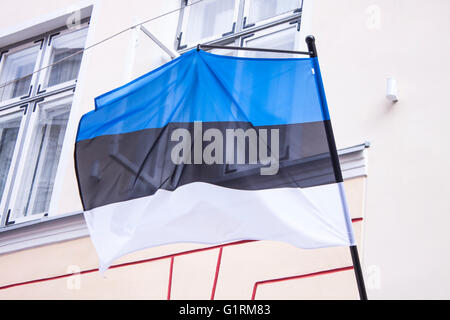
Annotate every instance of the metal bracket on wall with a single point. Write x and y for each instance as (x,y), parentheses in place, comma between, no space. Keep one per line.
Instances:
(172,54)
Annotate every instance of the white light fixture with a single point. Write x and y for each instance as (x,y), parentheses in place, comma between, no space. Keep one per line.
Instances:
(391,89)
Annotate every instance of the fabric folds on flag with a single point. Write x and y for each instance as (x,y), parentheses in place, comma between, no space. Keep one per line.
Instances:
(211,149)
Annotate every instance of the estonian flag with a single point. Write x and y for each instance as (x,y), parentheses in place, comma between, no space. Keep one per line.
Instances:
(212,149)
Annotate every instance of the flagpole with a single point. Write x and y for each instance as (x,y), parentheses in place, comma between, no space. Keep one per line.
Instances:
(311,42)
(312,52)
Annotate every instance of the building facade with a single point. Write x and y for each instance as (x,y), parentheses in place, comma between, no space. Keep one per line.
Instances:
(56,57)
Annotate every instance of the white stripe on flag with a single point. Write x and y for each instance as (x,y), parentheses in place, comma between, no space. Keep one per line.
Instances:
(204,213)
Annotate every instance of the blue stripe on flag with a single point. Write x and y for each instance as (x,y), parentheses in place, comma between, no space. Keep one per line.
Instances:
(200,86)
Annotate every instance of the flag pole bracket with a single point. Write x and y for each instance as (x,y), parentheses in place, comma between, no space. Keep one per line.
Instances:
(172,54)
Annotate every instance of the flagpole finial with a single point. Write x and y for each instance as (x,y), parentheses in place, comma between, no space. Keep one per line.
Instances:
(310,37)
(311,42)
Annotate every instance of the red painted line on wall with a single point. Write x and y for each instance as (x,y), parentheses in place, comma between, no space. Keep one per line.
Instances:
(307,275)
(125,264)
(216,276)
(46,279)
(134,262)
(169,289)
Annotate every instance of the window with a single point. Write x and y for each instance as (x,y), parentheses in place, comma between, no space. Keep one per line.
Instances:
(207,20)
(46,129)
(257,11)
(16,64)
(64,47)
(235,21)
(34,111)
(9,132)
(282,37)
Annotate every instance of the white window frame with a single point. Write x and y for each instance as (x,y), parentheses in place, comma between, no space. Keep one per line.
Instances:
(46,61)
(17,148)
(38,30)
(269,31)
(297,17)
(52,101)
(12,50)
(246,23)
(186,11)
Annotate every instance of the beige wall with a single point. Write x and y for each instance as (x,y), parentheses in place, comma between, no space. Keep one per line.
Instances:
(241,266)
(407,209)
(406,236)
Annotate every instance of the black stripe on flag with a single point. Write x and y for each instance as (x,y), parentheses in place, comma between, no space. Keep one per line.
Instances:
(126,166)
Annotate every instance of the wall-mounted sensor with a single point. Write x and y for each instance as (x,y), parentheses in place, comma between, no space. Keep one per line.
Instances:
(391,89)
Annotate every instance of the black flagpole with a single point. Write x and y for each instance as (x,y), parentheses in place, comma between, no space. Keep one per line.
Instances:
(311,42)
(312,52)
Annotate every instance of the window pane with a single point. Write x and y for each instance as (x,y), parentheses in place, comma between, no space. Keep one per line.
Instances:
(264,9)
(9,129)
(17,65)
(42,161)
(281,39)
(209,18)
(62,47)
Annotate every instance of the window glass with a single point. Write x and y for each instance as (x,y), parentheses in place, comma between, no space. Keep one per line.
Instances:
(42,160)
(265,9)
(27,193)
(9,130)
(65,46)
(281,39)
(15,66)
(209,18)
